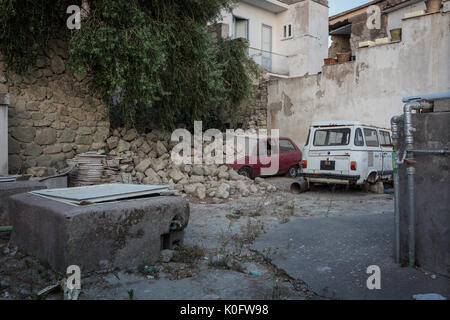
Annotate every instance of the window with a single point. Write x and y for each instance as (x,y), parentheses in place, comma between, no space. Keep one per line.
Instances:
(287,31)
(286,146)
(332,137)
(359,140)
(240,28)
(371,137)
(267,147)
(307,139)
(385,138)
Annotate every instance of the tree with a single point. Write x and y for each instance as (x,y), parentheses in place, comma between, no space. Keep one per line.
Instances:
(155,56)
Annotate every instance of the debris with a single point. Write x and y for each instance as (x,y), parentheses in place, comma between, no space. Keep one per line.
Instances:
(429,296)
(166,255)
(49,289)
(69,294)
(255,273)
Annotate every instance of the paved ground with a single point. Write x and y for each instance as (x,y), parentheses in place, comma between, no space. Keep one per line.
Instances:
(227,266)
(332,255)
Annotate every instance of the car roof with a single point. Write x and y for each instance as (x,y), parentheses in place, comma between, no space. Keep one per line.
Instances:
(339,123)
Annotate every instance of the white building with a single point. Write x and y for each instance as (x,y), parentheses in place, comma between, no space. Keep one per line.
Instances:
(287,38)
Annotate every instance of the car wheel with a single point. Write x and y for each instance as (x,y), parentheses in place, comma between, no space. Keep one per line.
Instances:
(292,172)
(246,172)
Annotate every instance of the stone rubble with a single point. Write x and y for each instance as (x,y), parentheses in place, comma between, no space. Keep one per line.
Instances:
(146,159)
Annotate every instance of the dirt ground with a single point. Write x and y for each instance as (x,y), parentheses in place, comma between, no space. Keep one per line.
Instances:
(216,261)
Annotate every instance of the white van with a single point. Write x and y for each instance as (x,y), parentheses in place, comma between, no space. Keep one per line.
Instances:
(347,152)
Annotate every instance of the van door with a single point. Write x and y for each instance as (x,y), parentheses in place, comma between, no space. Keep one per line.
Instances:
(387,149)
(375,156)
(329,151)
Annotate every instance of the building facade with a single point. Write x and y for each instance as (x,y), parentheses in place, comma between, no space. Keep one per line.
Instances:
(287,38)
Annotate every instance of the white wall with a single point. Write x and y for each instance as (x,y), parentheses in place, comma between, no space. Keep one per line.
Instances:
(369,89)
(394,19)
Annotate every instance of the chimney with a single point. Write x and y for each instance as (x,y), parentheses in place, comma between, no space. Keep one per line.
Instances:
(4,104)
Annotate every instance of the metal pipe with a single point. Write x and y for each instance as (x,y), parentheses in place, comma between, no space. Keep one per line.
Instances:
(394,126)
(414,105)
(437,151)
(428,97)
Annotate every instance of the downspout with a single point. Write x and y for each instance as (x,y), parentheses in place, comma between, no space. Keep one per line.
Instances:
(410,171)
(395,161)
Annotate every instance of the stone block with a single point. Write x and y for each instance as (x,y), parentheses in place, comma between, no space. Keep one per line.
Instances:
(8,189)
(124,233)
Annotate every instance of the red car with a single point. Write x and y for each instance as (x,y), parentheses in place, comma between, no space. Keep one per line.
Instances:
(263,155)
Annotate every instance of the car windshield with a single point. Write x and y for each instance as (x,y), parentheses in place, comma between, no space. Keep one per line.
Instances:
(332,137)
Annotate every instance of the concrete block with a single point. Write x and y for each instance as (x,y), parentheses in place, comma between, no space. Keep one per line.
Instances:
(414,14)
(382,40)
(442,105)
(124,234)
(377,187)
(8,189)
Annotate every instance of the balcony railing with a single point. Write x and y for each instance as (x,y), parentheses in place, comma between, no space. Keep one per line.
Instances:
(271,61)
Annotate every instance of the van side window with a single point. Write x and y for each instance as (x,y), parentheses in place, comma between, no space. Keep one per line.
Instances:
(286,146)
(385,138)
(359,140)
(371,137)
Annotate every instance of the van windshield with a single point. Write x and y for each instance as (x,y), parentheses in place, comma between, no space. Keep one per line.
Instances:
(332,137)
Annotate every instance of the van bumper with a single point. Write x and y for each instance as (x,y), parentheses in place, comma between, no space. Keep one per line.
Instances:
(330,178)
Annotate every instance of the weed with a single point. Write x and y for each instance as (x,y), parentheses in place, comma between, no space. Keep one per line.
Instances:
(187,254)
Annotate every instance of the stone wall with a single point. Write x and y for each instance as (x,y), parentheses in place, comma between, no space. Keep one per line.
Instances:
(253,113)
(52,115)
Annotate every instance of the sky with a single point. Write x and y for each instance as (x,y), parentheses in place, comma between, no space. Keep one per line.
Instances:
(338,6)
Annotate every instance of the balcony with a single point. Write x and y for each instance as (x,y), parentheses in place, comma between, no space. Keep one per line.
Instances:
(273,62)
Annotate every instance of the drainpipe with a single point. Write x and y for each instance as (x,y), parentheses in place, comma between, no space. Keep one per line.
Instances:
(409,160)
(395,161)
(4,103)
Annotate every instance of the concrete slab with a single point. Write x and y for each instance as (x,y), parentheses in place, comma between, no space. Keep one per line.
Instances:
(121,234)
(332,255)
(8,189)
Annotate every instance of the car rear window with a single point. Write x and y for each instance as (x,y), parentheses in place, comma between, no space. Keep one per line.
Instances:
(371,137)
(332,137)
(286,146)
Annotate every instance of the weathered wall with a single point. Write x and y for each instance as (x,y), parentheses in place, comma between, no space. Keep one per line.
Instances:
(52,116)
(370,88)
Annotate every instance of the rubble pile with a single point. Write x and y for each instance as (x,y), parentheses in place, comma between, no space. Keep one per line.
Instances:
(146,159)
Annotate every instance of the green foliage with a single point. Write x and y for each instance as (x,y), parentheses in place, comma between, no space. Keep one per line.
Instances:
(26,26)
(155,57)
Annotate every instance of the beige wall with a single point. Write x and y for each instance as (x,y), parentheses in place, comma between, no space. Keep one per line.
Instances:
(370,88)
(52,115)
